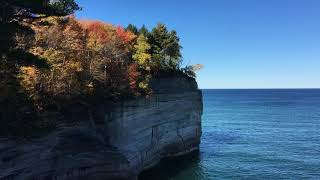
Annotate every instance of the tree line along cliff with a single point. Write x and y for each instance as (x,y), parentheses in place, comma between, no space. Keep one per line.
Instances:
(51,61)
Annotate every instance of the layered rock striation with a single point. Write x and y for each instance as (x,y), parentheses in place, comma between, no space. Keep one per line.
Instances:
(116,141)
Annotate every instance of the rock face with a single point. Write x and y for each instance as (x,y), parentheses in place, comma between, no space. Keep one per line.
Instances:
(115,142)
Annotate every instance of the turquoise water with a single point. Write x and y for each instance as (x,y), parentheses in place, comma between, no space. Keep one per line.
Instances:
(253,134)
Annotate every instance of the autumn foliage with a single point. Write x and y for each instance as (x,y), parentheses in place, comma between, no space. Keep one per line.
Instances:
(96,60)
(85,62)
(87,58)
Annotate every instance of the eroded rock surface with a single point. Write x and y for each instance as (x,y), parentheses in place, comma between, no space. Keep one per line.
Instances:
(117,142)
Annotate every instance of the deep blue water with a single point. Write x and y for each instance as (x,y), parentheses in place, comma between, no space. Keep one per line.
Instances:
(253,134)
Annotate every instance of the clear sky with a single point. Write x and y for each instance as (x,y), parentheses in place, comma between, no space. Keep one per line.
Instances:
(241,43)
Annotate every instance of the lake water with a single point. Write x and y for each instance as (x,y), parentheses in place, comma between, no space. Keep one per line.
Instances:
(253,134)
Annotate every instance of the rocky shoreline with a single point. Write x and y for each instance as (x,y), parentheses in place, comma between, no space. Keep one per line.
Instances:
(117,142)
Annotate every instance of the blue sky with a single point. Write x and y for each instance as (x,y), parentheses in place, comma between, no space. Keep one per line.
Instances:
(241,43)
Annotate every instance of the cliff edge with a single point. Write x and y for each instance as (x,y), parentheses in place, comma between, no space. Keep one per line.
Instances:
(117,141)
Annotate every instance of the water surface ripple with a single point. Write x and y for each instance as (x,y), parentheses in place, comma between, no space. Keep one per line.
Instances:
(253,134)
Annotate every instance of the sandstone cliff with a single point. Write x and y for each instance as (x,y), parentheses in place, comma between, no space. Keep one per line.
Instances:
(117,141)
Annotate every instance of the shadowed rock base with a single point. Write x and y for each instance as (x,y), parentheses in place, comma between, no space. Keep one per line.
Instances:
(118,142)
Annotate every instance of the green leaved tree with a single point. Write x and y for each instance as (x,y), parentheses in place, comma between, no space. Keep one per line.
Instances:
(132,28)
(165,48)
(14,12)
